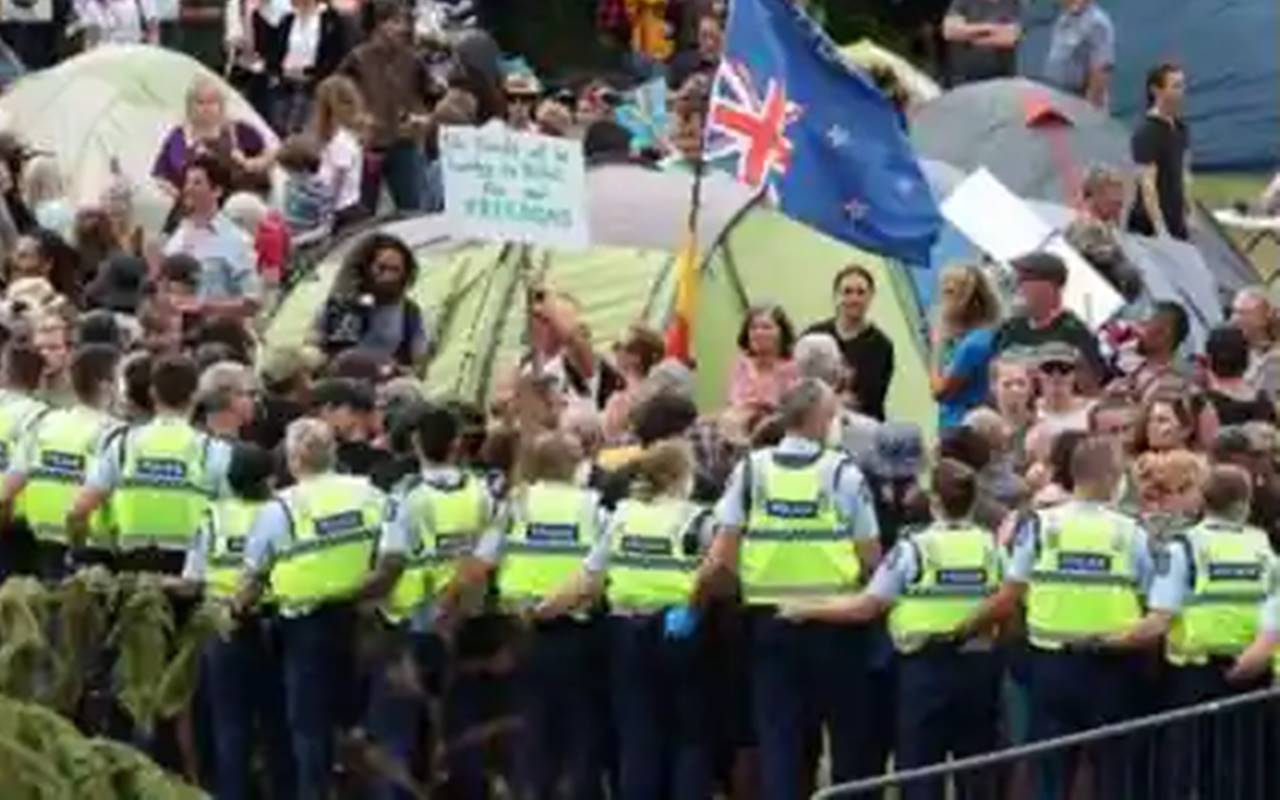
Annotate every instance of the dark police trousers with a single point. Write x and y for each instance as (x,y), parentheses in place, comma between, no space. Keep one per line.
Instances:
(660,703)
(948,705)
(804,676)
(1229,755)
(1073,691)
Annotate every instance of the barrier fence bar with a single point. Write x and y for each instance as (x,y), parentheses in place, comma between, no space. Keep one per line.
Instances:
(1242,764)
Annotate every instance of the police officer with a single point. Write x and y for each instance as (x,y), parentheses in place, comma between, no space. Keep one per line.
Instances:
(796,522)
(536,546)
(437,520)
(159,477)
(1084,570)
(19,407)
(648,560)
(53,457)
(313,544)
(243,672)
(1216,575)
(933,582)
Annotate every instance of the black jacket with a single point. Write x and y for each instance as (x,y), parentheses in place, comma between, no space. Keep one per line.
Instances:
(329,52)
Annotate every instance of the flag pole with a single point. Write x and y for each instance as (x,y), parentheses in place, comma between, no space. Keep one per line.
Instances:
(679,335)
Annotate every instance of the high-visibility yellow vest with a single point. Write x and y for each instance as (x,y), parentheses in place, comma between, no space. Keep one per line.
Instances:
(336,520)
(17,412)
(794,544)
(1232,566)
(553,527)
(63,442)
(649,567)
(1084,582)
(163,491)
(959,567)
(448,518)
(230,520)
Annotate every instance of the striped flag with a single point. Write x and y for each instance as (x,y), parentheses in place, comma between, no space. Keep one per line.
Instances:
(680,329)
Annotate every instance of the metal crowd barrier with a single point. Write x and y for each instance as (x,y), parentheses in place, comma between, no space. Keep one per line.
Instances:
(1226,749)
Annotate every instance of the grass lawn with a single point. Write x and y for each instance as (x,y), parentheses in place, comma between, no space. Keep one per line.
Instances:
(1219,190)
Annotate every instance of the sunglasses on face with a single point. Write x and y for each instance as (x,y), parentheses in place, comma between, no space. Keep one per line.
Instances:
(1057,368)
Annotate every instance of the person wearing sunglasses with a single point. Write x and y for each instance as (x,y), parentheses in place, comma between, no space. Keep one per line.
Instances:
(1060,407)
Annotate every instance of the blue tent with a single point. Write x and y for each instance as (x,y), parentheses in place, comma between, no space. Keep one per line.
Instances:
(1229,50)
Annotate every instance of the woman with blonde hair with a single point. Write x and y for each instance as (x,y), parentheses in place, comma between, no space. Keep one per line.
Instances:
(44,191)
(645,565)
(964,342)
(337,120)
(207,130)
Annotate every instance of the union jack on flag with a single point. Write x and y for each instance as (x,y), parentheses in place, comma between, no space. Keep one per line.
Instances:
(789,116)
(747,129)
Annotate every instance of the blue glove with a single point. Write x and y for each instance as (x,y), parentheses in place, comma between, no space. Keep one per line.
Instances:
(680,622)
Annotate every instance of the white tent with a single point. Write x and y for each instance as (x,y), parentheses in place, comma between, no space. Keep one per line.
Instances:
(116,101)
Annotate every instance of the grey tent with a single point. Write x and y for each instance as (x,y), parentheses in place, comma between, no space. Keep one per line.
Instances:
(1040,143)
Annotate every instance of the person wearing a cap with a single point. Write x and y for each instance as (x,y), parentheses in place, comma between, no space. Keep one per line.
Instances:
(522,91)
(285,373)
(1043,319)
(1083,571)
(1060,407)
(948,689)
(797,522)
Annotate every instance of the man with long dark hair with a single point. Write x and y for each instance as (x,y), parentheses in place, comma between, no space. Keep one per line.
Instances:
(370,308)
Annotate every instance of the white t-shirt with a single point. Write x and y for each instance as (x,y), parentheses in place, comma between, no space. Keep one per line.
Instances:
(341,168)
(304,41)
(117,21)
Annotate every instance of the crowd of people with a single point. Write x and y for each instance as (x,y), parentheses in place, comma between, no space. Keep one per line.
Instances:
(589,585)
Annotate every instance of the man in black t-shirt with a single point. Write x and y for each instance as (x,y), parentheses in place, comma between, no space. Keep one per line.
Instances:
(1159,147)
(1041,277)
(982,39)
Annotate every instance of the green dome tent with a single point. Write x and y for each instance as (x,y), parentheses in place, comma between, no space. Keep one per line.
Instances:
(751,254)
(116,101)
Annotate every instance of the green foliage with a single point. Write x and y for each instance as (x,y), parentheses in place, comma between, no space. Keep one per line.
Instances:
(24,607)
(84,604)
(143,628)
(44,757)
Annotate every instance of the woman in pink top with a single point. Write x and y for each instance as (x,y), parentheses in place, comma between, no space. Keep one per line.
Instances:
(763,370)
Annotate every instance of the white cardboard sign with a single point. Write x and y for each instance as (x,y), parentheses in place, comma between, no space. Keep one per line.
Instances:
(506,186)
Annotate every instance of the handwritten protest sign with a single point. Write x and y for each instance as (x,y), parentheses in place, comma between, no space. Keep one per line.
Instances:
(514,187)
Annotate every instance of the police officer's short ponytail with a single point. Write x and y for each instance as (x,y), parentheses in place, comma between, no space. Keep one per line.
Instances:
(955,485)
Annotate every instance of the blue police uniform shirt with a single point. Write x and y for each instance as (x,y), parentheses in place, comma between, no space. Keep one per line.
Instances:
(489,548)
(1269,615)
(104,471)
(1022,558)
(844,483)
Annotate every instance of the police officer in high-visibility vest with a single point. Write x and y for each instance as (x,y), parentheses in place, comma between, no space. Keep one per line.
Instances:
(436,521)
(646,564)
(159,478)
(242,673)
(536,546)
(1216,573)
(796,522)
(1083,570)
(19,408)
(53,457)
(931,584)
(313,544)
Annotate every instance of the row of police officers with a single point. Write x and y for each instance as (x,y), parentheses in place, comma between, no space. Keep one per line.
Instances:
(793,541)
